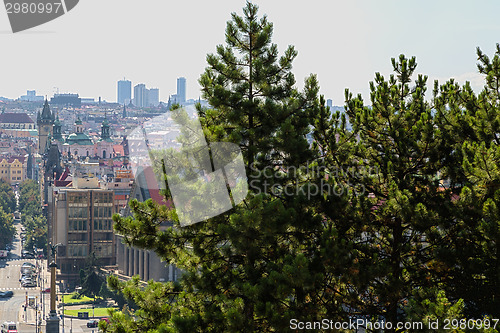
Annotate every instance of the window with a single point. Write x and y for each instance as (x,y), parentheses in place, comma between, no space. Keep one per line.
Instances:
(78,212)
(77,225)
(77,250)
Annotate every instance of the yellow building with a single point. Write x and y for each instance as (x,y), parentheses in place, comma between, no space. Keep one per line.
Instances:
(12,170)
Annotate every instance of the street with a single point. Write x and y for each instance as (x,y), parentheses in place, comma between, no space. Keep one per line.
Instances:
(12,309)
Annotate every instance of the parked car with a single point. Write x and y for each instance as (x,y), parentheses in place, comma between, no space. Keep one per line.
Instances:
(46,290)
(26,279)
(28,284)
(92,323)
(6,294)
(27,255)
(28,269)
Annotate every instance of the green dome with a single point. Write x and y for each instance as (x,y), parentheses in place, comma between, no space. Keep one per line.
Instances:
(79,138)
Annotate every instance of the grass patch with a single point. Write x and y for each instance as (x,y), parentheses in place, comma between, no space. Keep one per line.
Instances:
(98,312)
(71,299)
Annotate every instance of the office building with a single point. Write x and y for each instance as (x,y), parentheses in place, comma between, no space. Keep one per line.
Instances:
(181,90)
(73,100)
(82,223)
(31,97)
(124,91)
(153,97)
(329,103)
(140,95)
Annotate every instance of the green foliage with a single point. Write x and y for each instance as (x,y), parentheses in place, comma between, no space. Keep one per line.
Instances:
(36,232)
(7,229)
(431,306)
(29,198)
(470,125)
(7,197)
(31,215)
(7,207)
(91,279)
(395,217)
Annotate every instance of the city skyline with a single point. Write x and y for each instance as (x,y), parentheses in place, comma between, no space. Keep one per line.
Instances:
(343,43)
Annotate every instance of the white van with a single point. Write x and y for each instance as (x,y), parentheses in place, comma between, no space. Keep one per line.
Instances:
(9,327)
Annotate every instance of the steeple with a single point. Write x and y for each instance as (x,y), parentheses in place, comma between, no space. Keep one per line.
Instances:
(46,114)
(105,128)
(78,125)
(44,122)
(124,115)
(57,129)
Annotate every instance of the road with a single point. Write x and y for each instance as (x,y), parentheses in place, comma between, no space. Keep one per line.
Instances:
(11,309)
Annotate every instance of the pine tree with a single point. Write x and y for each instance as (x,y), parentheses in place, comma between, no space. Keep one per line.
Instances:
(388,166)
(471,126)
(261,264)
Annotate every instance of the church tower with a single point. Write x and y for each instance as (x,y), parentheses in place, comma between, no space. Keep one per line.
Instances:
(105,143)
(44,123)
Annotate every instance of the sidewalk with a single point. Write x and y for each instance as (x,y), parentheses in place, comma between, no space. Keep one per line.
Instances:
(30,315)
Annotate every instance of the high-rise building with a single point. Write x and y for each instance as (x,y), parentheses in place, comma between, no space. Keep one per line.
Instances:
(329,103)
(181,90)
(124,91)
(140,95)
(153,97)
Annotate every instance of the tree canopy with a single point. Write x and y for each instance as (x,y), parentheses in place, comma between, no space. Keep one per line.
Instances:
(387,211)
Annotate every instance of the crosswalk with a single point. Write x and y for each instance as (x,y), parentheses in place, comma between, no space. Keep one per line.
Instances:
(19,288)
(17,259)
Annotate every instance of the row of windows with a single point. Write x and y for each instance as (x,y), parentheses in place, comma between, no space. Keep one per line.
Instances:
(77,250)
(77,197)
(106,197)
(103,249)
(13,171)
(99,224)
(103,224)
(14,126)
(77,225)
(77,212)
(78,237)
(102,236)
(103,212)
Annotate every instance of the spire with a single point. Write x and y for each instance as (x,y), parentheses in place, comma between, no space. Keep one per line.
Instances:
(46,114)
(124,114)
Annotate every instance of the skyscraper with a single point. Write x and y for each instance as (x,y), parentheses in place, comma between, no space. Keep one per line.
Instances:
(124,91)
(329,103)
(153,97)
(140,95)
(181,90)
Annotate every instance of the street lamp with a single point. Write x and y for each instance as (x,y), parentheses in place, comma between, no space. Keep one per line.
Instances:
(53,320)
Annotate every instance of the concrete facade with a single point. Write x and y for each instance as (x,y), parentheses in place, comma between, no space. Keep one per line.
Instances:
(144,263)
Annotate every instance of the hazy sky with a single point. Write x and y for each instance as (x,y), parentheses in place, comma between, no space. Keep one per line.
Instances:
(156,41)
